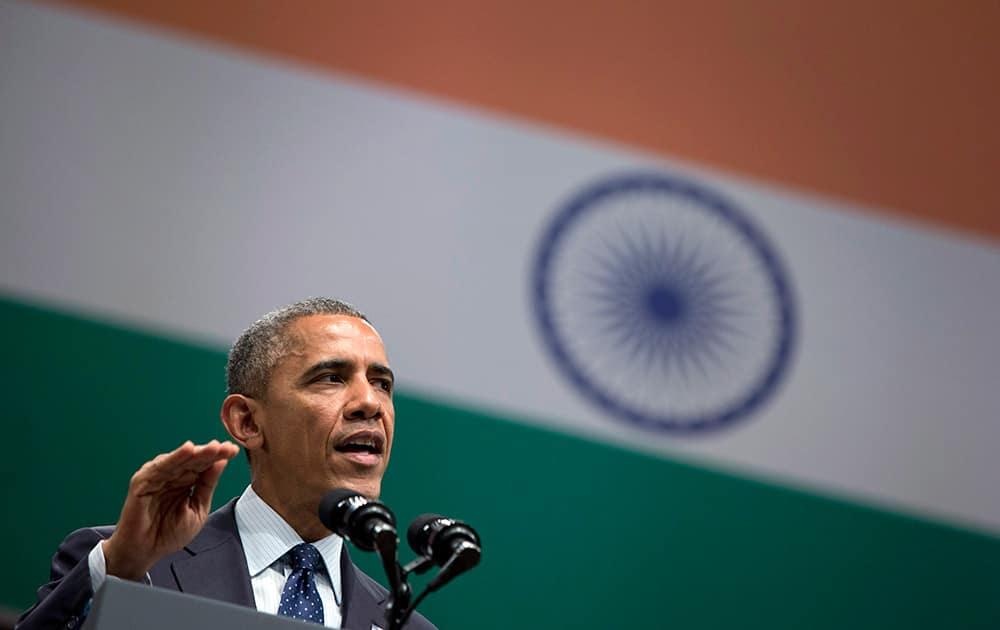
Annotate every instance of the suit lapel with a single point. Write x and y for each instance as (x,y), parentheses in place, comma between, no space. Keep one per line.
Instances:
(363,605)
(213,565)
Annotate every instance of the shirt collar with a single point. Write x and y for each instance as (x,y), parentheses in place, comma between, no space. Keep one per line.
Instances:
(267,538)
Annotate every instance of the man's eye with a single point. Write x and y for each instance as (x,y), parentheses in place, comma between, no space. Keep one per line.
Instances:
(330,378)
(384,383)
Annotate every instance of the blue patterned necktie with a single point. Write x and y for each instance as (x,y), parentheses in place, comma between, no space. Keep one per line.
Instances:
(299,598)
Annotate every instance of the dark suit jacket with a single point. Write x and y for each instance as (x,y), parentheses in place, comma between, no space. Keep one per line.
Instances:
(212,565)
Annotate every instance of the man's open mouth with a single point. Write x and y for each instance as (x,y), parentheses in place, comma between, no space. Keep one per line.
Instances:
(362,442)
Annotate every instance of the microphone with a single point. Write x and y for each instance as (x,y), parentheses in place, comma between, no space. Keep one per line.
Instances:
(450,544)
(365,522)
(371,526)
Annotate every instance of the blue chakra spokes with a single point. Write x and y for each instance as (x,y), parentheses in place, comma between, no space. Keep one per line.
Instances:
(666,305)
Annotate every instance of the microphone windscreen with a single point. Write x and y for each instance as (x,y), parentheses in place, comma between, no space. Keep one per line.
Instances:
(334,509)
(419,533)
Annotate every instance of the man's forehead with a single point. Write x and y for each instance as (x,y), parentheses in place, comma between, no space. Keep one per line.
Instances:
(322,333)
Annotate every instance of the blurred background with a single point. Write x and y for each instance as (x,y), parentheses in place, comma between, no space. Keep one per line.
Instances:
(692,305)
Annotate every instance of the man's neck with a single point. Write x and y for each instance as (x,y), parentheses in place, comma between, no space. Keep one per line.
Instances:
(300,514)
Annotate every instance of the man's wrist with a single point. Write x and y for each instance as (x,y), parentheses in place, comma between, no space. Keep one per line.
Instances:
(118,565)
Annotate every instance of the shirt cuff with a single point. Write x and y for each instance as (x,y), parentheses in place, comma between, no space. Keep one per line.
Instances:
(99,568)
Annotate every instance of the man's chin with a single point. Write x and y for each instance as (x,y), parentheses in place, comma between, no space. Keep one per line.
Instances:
(364,477)
(370,488)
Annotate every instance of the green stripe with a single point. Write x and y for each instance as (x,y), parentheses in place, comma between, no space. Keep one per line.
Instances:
(645,542)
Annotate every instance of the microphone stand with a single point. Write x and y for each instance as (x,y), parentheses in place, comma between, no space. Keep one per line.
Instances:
(387,545)
(398,614)
(465,557)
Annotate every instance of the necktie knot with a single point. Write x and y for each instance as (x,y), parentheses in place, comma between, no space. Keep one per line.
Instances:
(305,556)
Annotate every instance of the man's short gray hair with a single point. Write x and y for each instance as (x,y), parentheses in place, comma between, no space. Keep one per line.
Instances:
(259,348)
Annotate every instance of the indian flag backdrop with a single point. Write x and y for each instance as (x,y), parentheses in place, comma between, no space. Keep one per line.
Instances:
(693,309)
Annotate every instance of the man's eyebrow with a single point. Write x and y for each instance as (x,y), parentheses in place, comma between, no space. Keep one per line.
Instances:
(339,365)
(382,370)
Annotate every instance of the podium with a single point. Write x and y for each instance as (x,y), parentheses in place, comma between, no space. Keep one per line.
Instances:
(125,605)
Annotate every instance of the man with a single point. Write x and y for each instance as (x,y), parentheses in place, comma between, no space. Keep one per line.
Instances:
(310,402)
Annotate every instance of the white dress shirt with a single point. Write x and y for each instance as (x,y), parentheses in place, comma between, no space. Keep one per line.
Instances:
(266,539)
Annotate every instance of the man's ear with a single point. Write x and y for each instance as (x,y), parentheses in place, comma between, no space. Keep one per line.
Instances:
(239,415)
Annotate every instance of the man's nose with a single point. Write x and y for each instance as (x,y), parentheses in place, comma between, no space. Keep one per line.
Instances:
(364,402)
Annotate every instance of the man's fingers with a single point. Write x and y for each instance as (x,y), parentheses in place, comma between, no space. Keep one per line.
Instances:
(208,454)
(204,486)
(191,456)
(229,450)
(179,466)
(165,462)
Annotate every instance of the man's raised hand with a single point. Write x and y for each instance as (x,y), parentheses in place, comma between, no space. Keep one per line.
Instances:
(168,500)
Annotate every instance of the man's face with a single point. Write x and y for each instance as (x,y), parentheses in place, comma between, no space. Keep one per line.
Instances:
(327,417)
